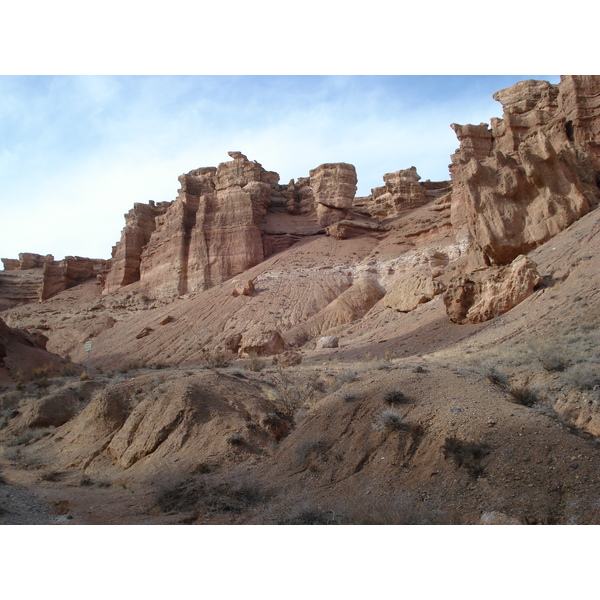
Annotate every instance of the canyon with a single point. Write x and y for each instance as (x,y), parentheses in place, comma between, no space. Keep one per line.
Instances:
(250,333)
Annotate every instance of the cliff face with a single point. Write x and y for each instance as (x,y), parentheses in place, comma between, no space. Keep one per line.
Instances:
(218,226)
(533,173)
(211,232)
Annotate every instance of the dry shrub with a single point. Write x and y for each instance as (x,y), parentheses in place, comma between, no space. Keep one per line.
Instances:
(215,358)
(291,392)
(585,376)
(402,509)
(309,449)
(390,420)
(467,455)
(394,396)
(255,363)
(523,394)
(235,495)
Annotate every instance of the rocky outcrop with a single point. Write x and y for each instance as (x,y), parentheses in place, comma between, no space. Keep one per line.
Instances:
(211,231)
(19,287)
(23,352)
(243,288)
(401,191)
(265,343)
(334,187)
(490,292)
(411,290)
(63,274)
(328,341)
(140,224)
(533,173)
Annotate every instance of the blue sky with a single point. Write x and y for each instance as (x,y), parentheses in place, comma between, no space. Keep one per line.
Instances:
(77,151)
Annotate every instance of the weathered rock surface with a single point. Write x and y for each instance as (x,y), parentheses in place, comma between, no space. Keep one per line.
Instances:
(22,352)
(140,223)
(334,187)
(490,292)
(328,341)
(243,288)
(265,343)
(19,287)
(211,232)
(533,173)
(350,305)
(26,261)
(401,191)
(411,290)
(63,274)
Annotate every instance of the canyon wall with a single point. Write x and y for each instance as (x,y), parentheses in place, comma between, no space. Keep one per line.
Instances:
(532,173)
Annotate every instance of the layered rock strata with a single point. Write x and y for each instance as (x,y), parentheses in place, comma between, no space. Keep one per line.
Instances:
(533,173)
(211,232)
(140,224)
(26,261)
(63,274)
(218,226)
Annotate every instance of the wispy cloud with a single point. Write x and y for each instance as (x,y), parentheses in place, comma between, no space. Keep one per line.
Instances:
(77,152)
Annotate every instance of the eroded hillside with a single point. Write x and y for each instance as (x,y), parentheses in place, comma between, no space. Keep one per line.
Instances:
(267,353)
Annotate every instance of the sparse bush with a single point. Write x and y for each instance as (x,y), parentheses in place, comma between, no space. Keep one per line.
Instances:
(214,359)
(255,363)
(394,396)
(350,397)
(553,357)
(50,476)
(21,380)
(467,455)
(236,439)
(69,370)
(85,377)
(309,448)
(524,395)
(585,376)
(312,516)
(234,496)
(390,420)
(496,377)
(291,392)
(348,376)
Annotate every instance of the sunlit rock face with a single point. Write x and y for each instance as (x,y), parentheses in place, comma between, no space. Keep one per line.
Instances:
(533,173)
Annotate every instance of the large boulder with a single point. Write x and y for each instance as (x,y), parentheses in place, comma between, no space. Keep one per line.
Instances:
(411,290)
(265,343)
(489,292)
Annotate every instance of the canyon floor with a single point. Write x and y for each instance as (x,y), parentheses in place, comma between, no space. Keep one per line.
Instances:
(413,419)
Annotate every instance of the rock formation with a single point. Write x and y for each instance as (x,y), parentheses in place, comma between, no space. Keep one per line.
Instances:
(63,274)
(533,173)
(411,290)
(218,226)
(490,292)
(22,352)
(140,223)
(211,231)
(401,191)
